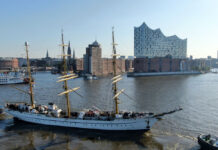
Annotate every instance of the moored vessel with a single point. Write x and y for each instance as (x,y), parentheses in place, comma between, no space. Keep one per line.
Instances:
(91,77)
(93,119)
(13,78)
(208,142)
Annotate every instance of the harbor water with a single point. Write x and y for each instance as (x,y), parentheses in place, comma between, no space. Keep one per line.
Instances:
(196,94)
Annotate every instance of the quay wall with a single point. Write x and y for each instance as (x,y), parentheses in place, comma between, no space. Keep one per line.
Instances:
(143,74)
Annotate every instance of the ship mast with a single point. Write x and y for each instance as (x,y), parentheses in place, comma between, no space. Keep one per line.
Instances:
(114,72)
(116,78)
(66,77)
(30,77)
(65,73)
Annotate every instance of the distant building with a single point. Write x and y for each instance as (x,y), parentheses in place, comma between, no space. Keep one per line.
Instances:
(129,65)
(96,65)
(158,64)
(22,62)
(69,51)
(131,57)
(9,63)
(153,43)
(209,57)
(92,59)
(217,54)
(44,62)
(79,64)
(107,66)
(74,62)
(47,56)
(69,61)
(122,57)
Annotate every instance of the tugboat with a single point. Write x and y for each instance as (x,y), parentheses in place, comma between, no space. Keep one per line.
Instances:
(92,119)
(208,142)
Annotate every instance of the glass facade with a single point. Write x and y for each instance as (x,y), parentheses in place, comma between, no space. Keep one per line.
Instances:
(152,43)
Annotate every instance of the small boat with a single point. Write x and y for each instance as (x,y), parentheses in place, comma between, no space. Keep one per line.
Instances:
(91,77)
(208,142)
(95,77)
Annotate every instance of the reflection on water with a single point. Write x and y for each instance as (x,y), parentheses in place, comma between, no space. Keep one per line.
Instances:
(197,95)
(32,136)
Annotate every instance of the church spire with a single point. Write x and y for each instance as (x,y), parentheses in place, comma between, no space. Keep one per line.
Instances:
(47,54)
(74,57)
(69,51)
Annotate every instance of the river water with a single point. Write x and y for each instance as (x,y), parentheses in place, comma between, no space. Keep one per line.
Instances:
(196,94)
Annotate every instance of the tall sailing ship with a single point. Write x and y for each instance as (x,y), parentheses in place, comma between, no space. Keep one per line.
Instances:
(93,119)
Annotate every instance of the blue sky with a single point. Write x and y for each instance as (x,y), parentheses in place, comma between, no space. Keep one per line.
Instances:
(40,22)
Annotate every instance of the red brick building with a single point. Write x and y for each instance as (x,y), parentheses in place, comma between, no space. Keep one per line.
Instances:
(94,64)
(129,66)
(107,66)
(79,64)
(8,63)
(158,64)
(92,59)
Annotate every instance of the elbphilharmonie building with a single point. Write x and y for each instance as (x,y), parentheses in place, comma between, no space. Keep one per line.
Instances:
(153,43)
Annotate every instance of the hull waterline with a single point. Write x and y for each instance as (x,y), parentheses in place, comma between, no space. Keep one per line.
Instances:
(132,125)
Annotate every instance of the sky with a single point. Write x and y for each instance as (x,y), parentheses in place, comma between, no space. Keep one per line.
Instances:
(83,21)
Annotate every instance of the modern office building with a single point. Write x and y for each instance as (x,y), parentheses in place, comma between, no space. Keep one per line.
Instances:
(153,43)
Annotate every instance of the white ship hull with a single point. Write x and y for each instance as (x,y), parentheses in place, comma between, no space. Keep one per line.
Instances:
(12,81)
(11,78)
(113,125)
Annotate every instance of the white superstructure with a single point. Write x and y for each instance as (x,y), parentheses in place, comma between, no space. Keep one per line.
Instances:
(12,78)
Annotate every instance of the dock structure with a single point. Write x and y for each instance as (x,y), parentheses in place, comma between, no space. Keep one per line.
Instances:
(147,74)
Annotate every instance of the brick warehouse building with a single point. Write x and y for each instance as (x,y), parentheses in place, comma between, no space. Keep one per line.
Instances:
(158,64)
(107,66)
(8,63)
(94,64)
(92,59)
